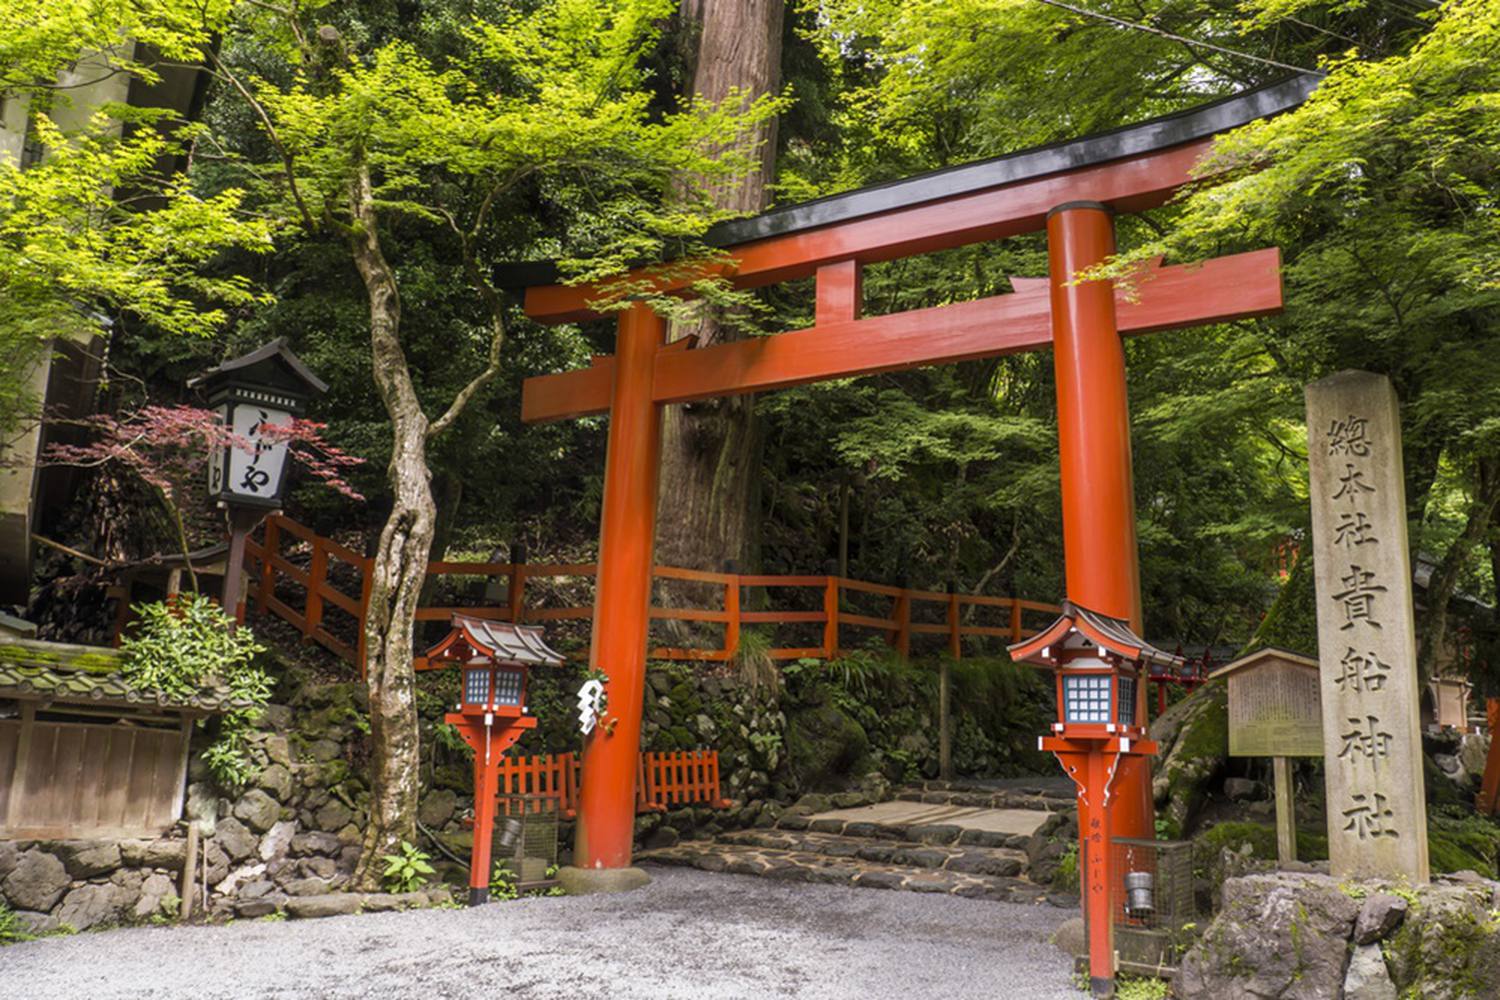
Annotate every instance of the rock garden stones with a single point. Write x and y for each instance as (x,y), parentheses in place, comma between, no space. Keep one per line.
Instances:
(257,810)
(37,881)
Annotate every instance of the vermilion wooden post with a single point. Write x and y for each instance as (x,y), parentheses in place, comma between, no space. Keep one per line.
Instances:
(317,578)
(903,625)
(272,548)
(831,618)
(606,810)
(1489,790)
(732,617)
(1099,540)
(516,586)
(955,636)
(1015,619)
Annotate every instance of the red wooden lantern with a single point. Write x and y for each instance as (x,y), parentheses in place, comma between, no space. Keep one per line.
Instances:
(1101,667)
(496,659)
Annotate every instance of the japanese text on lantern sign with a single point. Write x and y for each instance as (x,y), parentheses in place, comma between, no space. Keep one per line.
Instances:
(1365,742)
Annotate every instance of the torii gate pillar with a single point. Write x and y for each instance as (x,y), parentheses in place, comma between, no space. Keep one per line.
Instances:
(622,606)
(1102,558)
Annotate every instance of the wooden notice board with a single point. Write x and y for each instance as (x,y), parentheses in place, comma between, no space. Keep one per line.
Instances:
(1274,705)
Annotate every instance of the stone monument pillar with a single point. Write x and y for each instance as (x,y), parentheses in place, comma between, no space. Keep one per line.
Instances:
(1372,743)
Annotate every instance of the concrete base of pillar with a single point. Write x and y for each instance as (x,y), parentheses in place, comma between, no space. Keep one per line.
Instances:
(588,881)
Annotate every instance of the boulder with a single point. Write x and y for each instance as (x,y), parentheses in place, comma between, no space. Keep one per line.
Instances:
(323,751)
(333,904)
(260,906)
(215,863)
(1281,935)
(161,853)
(1243,790)
(237,841)
(1193,738)
(1448,947)
(278,840)
(276,780)
(1381,914)
(378,902)
(824,744)
(202,807)
(1473,751)
(243,875)
(158,896)
(307,887)
(10,853)
(1367,978)
(334,816)
(36,882)
(92,906)
(316,842)
(437,808)
(257,810)
(278,750)
(87,858)
(277,719)
(316,867)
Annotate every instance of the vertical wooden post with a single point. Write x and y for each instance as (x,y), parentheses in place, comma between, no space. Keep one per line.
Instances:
(272,549)
(241,521)
(1286,817)
(831,618)
(732,615)
(622,599)
(364,612)
(1101,555)
(486,789)
(945,721)
(23,761)
(317,579)
(1489,789)
(1015,619)
(903,624)
(189,872)
(955,627)
(516,588)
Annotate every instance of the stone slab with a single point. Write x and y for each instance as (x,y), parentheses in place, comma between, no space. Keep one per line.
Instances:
(1372,742)
(901,813)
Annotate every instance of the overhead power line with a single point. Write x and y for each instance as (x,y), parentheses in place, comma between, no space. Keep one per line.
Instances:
(1137,26)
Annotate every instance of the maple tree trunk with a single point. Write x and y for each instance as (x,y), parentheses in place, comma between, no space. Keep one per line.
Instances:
(710,465)
(399,566)
(1444,581)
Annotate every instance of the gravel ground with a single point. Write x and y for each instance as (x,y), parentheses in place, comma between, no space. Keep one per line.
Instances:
(689,935)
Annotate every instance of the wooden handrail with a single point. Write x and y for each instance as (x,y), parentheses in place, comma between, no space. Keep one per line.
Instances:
(267,558)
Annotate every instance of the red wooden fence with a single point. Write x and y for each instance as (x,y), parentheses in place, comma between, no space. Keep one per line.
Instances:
(910,612)
(664,780)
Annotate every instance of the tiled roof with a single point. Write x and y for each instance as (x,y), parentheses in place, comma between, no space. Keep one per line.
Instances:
(500,641)
(1113,634)
(32,669)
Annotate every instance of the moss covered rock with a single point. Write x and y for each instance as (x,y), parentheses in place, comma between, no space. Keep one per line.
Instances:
(1194,747)
(825,746)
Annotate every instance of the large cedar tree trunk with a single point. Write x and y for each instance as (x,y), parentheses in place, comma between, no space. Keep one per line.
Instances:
(710,464)
(400,565)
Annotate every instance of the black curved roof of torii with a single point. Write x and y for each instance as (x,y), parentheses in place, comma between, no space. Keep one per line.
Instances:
(1117,144)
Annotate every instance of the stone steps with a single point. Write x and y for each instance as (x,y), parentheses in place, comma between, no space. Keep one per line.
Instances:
(929,833)
(970,860)
(814,866)
(946,793)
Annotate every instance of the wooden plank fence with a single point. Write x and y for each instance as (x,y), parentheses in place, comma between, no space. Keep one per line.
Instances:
(911,612)
(664,780)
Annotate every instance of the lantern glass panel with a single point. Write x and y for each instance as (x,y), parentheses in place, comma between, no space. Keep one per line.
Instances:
(508,687)
(1086,698)
(1127,701)
(477,686)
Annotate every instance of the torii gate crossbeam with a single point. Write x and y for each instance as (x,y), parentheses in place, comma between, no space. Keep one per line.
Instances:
(1072,190)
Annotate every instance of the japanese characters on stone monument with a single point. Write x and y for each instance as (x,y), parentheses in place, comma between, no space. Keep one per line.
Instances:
(1372,747)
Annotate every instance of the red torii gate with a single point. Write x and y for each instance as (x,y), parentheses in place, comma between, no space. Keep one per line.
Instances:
(1072,191)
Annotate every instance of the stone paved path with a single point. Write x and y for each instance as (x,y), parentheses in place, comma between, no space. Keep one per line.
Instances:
(687,936)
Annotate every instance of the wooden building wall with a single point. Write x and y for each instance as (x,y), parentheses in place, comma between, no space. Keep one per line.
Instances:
(86,780)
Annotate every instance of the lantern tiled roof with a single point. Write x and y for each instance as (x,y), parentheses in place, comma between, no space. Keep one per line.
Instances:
(503,642)
(1114,635)
(35,670)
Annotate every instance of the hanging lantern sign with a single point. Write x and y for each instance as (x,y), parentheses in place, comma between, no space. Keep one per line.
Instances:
(254,394)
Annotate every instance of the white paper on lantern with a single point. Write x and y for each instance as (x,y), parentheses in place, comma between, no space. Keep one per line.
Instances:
(216,459)
(257,473)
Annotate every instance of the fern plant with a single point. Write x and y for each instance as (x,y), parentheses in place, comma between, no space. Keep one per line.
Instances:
(182,646)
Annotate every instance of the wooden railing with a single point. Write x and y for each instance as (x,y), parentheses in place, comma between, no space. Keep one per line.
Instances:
(907,613)
(664,780)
